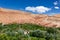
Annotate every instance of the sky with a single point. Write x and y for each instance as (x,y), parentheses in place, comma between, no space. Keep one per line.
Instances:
(49,7)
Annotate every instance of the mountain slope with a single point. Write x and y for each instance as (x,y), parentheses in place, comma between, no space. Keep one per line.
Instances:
(15,16)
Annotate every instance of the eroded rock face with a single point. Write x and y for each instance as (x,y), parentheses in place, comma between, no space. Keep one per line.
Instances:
(14,16)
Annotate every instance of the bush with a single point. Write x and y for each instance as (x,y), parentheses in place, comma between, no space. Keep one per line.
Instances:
(52,30)
(37,33)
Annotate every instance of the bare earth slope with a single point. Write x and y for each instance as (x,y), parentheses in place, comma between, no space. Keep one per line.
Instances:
(14,16)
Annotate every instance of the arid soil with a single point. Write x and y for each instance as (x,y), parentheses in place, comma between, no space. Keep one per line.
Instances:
(15,16)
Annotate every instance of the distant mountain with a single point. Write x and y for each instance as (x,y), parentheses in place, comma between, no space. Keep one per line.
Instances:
(15,16)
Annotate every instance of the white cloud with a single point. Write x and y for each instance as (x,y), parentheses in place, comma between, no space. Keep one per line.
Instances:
(39,9)
(55,3)
(57,7)
(42,9)
(30,9)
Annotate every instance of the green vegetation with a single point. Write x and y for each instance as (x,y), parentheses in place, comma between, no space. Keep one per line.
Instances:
(28,32)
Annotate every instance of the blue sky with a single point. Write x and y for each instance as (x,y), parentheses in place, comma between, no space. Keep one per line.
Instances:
(36,6)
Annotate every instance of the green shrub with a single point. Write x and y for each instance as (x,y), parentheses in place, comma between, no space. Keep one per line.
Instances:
(37,33)
(52,30)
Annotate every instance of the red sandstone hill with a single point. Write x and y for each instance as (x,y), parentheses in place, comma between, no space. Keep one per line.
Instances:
(15,16)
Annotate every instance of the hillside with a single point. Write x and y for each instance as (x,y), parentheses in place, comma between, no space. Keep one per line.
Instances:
(15,16)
